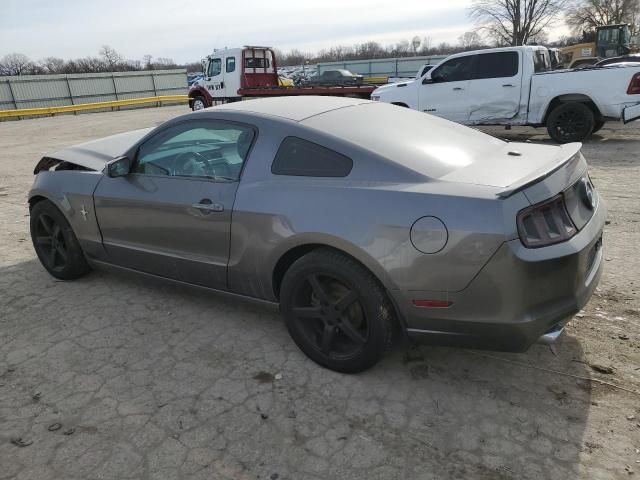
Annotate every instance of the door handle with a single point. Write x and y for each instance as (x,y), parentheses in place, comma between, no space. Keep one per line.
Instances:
(208,206)
(458,88)
(508,85)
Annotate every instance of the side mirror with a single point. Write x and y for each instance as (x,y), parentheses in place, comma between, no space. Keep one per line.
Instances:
(427,79)
(118,167)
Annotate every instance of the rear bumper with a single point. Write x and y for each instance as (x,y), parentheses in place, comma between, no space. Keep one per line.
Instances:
(631,113)
(518,297)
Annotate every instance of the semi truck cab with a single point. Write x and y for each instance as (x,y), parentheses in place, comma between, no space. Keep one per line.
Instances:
(229,70)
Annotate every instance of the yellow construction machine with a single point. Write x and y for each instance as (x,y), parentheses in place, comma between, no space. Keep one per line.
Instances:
(610,41)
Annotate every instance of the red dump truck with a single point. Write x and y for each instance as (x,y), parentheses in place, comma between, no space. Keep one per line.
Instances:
(235,74)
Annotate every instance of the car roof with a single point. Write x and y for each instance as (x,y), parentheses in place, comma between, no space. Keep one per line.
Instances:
(292,108)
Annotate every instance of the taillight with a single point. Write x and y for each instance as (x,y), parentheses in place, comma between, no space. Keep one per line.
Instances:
(634,85)
(545,223)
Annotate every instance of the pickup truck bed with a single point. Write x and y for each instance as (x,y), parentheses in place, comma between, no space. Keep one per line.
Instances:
(605,86)
(360,91)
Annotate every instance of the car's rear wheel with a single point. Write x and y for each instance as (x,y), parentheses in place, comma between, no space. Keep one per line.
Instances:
(570,122)
(336,311)
(55,243)
(198,103)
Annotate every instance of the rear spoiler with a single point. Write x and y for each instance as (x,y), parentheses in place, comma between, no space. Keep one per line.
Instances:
(570,153)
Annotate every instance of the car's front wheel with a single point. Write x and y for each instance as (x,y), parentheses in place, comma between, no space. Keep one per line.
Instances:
(55,243)
(198,103)
(336,311)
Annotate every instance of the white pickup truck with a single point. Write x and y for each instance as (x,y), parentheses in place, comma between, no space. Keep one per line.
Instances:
(515,86)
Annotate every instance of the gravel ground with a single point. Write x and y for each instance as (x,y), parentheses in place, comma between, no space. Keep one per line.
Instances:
(114,376)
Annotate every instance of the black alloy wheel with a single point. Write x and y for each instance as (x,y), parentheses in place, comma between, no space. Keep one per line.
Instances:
(55,243)
(51,243)
(330,316)
(336,311)
(570,122)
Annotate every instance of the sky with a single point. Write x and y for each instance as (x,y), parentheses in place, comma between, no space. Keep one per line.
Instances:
(189,30)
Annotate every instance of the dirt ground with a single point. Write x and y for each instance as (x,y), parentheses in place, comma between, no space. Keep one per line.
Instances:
(117,377)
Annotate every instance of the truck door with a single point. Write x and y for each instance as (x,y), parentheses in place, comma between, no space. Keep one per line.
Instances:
(495,87)
(445,93)
(214,79)
(231,75)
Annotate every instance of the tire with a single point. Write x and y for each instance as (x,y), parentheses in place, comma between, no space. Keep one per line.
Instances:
(336,311)
(598,125)
(198,103)
(55,243)
(570,122)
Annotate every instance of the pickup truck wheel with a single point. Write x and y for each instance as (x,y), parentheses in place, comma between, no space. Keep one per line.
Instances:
(198,103)
(336,311)
(598,125)
(570,122)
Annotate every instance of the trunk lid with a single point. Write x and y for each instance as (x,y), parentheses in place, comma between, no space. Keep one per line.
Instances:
(515,166)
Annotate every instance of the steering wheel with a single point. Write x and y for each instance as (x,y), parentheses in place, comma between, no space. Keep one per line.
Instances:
(190,164)
(220,168)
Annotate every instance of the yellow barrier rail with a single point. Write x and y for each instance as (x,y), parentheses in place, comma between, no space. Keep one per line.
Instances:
(25,112)
(376,80)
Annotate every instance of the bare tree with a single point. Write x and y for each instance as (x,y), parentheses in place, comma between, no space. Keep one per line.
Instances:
(147,61)
(111,57)
(16,64)
(589,14)
(514,22)
(469,40)
(402,48)
(165,62)
(52,65)
(370,50)
(91,65)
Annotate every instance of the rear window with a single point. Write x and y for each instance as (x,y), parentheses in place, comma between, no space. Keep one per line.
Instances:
(496,65)
(298,157)
(256,62)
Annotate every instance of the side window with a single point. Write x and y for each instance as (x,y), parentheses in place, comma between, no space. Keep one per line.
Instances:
(198,148)
(454,70)
(538,62)
(215,67)
(496,65)
(231,64)
(298,157)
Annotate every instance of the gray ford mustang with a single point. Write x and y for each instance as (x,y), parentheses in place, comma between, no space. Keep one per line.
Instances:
(357,218)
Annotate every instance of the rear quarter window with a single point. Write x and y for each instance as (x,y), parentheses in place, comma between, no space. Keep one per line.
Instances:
(496,65)
(298,157)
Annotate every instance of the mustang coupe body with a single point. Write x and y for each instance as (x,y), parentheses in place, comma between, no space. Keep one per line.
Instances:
(358,218)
